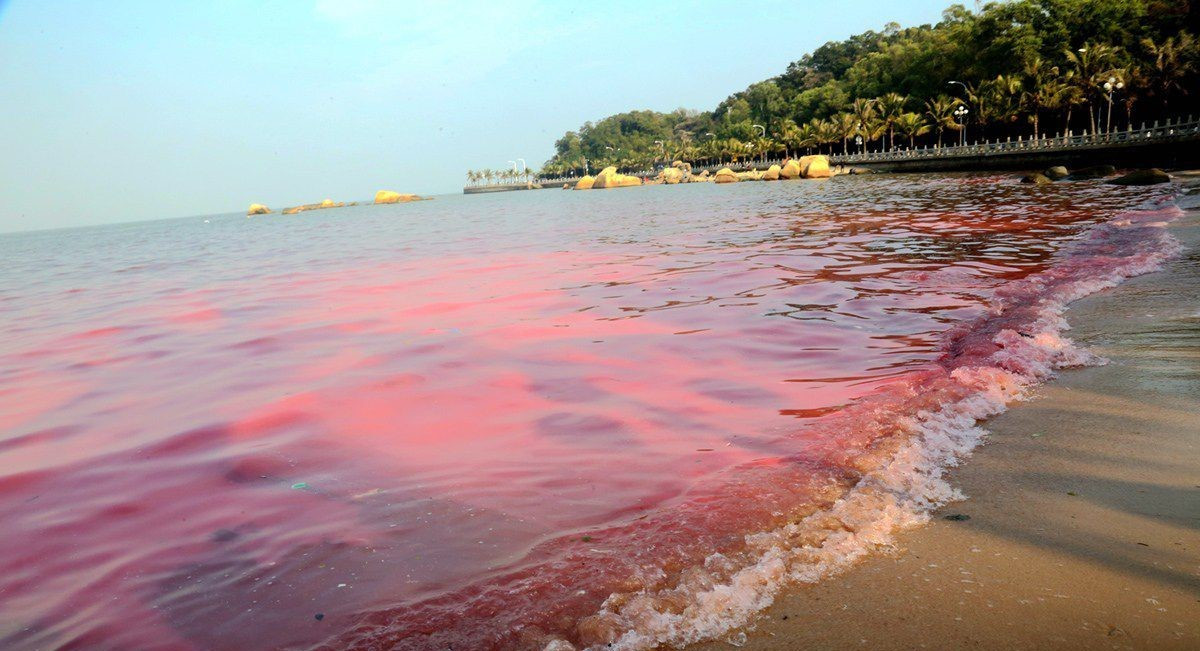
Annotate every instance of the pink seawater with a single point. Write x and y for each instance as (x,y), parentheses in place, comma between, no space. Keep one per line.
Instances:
(510,421)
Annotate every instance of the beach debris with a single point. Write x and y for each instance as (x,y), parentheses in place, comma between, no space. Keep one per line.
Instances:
(957,517)
(1093,172)
(300,485)
(389,196)
(585,183)
(725,175)
(738,639)
(257,209)
(1072,493)
(815,167)
(1036,178)
(1056,172)
(1151,176)
(319,616)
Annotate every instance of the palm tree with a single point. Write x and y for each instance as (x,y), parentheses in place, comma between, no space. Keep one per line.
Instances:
(891,106)
(911,125)
(1169,64)
(873,129)
(1091,63)
(846,127)
(827,131)
(789,135)
(940,111)
(1041,84)
(807,136)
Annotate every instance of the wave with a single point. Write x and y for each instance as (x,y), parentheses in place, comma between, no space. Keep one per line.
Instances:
(907,481)
(817,502)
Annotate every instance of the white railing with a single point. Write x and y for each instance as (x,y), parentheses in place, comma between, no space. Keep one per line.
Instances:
(1178,129)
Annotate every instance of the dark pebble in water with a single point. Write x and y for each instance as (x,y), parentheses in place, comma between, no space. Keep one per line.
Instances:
(956,517)
(224,535)
(319,616)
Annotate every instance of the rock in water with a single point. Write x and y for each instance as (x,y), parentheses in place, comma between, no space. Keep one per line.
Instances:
(1057,172)
(585,183)
(815,167)
(387,196)
(1094,172)
(772,173)
(1037,178)
(609,178)
(257,209)
(790,169)
(725,175)
(671,175)
(1151,176)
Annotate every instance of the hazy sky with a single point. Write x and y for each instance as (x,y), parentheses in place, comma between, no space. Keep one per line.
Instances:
(123,110)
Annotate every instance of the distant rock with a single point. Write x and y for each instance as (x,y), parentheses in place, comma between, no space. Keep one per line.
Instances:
(752,175)
(790,169)
(328,203)
(1036,178)
(609,178)
(1094,172)
(725,175)
(815,167)
(671,175)
(1151,176)
(388,196)
(772,173)
(257,209)
(1057,172)
(585,183)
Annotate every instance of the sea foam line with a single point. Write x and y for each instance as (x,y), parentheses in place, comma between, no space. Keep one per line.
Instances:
(909,481)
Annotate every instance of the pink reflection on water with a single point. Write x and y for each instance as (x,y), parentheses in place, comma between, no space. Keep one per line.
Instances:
(439,445)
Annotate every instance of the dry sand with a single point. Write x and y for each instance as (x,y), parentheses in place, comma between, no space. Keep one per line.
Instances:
(1084,506)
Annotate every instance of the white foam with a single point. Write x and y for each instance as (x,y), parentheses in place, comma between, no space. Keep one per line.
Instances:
(897,494)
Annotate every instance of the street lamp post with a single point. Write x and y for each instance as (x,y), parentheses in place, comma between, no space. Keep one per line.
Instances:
(1111,86)
(962,136)
(859,141)
(960,115)
(522,165)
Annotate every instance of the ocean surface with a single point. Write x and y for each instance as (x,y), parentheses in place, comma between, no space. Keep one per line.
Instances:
(520,420)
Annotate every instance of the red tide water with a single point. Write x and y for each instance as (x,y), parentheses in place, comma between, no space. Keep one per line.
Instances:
(532,420)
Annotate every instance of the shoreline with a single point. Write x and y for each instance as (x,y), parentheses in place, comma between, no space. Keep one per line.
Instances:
(1082,524)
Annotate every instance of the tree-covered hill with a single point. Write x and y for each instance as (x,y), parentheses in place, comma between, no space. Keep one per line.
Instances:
(1025,67)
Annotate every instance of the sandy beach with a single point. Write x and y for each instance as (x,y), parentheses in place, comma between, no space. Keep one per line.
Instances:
(1082,525)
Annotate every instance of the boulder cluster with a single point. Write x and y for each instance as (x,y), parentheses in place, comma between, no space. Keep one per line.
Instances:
(607,178)
(806,167)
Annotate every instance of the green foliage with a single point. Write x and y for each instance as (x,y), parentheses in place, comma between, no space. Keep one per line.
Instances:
(1025,64)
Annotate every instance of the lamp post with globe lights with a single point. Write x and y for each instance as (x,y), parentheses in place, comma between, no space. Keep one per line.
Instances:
(1111,86)
(960,115)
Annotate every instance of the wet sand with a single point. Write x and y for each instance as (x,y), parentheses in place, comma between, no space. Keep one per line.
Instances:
(1083,506)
